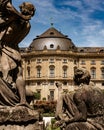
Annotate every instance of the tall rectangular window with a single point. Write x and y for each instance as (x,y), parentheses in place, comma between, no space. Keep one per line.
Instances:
(93,73)
(93,62)
(52,94)
(64,73)
(83,62)
(64,60)
(51,60)
(52,71)
(39,60)
(51,82)
(39,71)
(102,73)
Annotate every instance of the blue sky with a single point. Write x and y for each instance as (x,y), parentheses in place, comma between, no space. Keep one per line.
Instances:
(81,20)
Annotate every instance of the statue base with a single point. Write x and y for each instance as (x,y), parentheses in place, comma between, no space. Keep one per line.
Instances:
(19,118)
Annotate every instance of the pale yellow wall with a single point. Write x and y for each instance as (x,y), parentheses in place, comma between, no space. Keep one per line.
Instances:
(88,66)
(58,63)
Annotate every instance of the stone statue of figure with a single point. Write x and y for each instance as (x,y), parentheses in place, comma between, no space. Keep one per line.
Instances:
(83,108)
(14,26)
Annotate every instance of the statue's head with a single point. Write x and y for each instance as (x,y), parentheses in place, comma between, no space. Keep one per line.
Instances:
(81,76)
(27,9)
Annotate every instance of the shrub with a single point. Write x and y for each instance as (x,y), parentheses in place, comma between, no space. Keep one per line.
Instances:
(44,99)
(36,95)
(46,106)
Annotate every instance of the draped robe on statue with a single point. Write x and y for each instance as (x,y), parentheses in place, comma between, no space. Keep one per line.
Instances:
(14,26)
(92,99)
(8,96)
(10,61)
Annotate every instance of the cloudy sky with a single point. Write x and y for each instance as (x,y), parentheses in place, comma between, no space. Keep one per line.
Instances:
(81,20)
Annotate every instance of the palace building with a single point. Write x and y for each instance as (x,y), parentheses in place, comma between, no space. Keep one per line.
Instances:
(52,57)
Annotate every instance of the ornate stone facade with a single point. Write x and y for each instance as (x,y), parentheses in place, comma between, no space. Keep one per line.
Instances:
(53,57)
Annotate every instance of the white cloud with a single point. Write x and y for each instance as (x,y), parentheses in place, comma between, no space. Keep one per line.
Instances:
(82,28)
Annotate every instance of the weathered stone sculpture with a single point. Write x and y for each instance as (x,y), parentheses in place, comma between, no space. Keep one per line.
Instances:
(83,108)
(14,26)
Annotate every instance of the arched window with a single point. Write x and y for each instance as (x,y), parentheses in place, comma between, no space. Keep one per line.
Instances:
(65,71)
(93,72)
(102,72)
(52,71)
(38,71)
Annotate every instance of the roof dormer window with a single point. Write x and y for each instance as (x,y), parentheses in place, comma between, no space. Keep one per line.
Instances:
(51,33)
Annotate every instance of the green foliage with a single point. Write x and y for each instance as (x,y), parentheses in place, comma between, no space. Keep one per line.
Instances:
(53,120)
(44,99)
(50,114)
(58,128)
(36,95)
(47,107)
(53,126)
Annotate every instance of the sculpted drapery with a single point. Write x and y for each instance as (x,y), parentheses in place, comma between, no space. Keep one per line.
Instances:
(14,26)
(83,108)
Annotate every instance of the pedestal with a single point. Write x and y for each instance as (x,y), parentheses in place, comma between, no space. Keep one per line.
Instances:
(19,118)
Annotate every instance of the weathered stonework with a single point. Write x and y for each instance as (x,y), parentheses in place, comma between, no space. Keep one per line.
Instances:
(19,118)
(15,112)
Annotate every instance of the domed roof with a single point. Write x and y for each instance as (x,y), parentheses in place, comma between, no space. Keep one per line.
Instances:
(52,39)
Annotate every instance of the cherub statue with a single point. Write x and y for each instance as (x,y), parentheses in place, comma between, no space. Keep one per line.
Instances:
(14,26)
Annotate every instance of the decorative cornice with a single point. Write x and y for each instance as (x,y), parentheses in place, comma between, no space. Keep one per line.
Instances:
(61,53)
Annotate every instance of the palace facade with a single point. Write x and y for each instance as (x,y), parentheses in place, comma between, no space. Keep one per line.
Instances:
(53,57)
